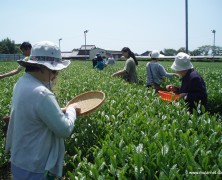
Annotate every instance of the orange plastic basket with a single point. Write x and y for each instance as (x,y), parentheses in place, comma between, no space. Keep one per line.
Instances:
(168,96)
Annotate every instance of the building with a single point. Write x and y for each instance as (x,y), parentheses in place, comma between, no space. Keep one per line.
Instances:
(115,54)
(89,52)
(147,53)
(105,53)
(85,50)
(95,51)
(81,53)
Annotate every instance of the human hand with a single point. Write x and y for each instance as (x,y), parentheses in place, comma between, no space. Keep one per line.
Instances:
(176,75)
(182,95)
(63,110)
(77,107)
(113,75)
(171,87)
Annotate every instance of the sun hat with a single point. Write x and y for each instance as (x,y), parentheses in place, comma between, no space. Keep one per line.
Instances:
(182,62)
(155,54)
(47,54)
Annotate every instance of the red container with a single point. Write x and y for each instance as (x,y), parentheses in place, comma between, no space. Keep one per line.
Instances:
(168,96)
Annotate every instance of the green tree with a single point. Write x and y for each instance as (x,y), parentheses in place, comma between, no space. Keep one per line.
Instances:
(182,49)
(8,46)
(196,52)
(169,52)
(205,49)
(217,50)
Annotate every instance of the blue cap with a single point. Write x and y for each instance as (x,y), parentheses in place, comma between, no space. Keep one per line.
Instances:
(98,55)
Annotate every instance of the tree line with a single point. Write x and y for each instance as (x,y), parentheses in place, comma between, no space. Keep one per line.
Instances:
(200,51)
(8,46)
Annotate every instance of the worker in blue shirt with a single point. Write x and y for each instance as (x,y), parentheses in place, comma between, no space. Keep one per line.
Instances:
(100,62)
(155,72)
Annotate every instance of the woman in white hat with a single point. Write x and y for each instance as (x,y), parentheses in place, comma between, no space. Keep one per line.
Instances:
(155,72)
(193,87)
(38,126)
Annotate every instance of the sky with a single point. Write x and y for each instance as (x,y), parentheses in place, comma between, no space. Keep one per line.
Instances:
(140,25)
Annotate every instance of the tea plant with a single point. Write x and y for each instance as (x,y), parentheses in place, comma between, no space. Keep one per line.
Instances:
(134,134)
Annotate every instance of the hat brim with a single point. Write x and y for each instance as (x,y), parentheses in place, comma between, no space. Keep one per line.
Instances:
(53,65)
(155,57)
(179,68)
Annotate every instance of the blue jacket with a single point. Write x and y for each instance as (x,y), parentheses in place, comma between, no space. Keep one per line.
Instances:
(100,65)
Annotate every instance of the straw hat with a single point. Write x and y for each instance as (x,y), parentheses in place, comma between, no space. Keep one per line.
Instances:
(182,62)
(47,54)
(155,54)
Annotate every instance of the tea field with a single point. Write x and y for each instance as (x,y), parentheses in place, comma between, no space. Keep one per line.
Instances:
(134,134)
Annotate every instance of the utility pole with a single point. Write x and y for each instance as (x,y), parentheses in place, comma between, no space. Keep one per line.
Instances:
(85,41)
(186,9)
(214,32)
(59,43)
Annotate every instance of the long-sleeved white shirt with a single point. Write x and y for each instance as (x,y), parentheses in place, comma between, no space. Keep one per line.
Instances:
(37,127)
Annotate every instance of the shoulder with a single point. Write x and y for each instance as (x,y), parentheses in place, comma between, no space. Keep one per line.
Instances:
(194,74)
(130,61)
(41,94)
(37,86)
(160,65)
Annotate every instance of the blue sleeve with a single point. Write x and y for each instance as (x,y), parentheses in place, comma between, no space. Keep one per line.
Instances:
(164,73)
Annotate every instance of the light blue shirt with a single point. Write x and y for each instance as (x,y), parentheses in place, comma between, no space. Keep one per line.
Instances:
(37,128)
(155,72)
(111,61)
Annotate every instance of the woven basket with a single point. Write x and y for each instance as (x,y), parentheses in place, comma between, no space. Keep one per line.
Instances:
(168,96)
(88,101)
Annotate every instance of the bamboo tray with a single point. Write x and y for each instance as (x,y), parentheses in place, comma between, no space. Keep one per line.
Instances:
(88,101)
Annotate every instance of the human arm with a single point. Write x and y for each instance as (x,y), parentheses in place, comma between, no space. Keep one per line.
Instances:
(182,95)
(125,71)
(119,73)
(75,106)
(51,114)
(192,89)
(11,73)
(175,89)
(163,72)
(148,75)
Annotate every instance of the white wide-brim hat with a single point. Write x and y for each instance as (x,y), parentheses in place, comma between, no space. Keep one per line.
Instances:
(155,54)
(182,62)
(47,54)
